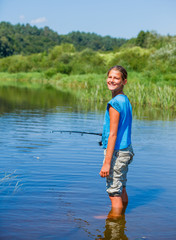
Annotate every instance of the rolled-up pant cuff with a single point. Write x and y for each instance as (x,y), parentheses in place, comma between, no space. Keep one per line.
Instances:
(115,194)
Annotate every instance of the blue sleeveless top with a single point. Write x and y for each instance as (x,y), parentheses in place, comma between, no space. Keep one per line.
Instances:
(122,104)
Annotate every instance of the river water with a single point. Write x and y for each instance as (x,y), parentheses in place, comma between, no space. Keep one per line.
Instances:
(50,186)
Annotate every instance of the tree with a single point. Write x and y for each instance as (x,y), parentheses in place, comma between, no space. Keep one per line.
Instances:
(6,48)
(141,39)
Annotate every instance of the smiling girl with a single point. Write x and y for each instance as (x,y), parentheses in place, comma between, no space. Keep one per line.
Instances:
(116,141)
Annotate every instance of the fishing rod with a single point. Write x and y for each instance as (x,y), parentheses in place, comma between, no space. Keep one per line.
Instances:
(81,132)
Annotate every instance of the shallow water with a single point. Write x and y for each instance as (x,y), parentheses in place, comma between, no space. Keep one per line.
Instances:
(49,182)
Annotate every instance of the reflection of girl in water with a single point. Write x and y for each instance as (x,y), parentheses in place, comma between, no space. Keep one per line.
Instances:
(115,229)
(116,141)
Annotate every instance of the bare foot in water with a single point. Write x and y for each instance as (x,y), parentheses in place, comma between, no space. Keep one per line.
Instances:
(100,217)
(115,213)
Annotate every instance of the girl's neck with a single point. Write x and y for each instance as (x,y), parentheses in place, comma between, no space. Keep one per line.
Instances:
(117,93)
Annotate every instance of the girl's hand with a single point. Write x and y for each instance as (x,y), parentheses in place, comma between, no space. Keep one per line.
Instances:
(105,170)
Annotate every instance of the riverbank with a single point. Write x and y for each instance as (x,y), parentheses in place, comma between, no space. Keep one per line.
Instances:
(92,87)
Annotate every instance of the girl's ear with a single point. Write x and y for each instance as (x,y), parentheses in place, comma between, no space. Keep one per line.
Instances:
(124,81)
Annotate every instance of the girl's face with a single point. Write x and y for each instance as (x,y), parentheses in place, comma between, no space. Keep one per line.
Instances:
(115,82)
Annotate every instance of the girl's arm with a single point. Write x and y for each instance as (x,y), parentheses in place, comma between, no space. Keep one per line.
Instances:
(114,122)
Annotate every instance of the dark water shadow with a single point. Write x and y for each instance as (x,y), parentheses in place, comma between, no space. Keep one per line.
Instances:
(14,99)
(153,113)
(143,197)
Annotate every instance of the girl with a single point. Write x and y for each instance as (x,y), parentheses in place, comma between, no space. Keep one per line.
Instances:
(116,141)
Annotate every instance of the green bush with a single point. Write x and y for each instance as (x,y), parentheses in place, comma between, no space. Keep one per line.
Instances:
(50,72)
(88,61)
(59,50)
(133,58)
(63,68)
(164,59)
(19,63)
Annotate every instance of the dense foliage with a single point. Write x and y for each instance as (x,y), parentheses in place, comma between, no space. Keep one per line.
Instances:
(26,39)
(149,40)
(155,64)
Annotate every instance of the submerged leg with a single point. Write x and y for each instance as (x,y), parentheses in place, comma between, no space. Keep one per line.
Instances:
(117,207)
(124,199)
(119,204)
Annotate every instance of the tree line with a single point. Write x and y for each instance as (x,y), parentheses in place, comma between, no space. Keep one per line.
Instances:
(26,39)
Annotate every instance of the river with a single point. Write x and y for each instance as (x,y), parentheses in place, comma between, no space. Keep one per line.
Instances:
(50,186)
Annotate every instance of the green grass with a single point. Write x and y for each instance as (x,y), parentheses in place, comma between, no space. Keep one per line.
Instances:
(92,87)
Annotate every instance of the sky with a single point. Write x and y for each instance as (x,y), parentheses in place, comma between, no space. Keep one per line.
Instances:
(116,18)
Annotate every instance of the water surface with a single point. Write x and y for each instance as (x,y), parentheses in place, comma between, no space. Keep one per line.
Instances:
(49,182)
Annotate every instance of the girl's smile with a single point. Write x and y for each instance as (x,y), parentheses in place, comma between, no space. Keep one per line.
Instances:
(115,82)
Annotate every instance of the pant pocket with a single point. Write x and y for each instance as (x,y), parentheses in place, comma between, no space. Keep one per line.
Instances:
(126,156)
